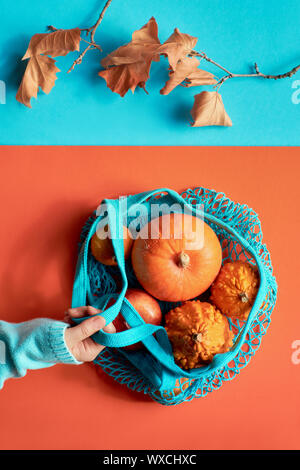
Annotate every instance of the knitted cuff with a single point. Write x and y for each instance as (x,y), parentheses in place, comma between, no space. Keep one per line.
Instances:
(58,344)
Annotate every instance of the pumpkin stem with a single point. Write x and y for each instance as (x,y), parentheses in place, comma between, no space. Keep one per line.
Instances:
(183,259)
(197,337)
(244,297)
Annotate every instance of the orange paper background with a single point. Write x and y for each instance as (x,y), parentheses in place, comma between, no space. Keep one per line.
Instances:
(46,193)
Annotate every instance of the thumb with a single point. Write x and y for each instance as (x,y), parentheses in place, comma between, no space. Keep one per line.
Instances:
(87,328)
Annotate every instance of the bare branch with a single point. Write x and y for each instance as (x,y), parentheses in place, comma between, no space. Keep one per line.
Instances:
(95,46)
(257,73)
(204,56)
(92,30)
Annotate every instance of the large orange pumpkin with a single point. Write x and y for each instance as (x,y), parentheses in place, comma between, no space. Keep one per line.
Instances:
(176,257)
(102,248)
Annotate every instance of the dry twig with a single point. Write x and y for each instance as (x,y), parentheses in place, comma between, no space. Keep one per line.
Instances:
(89,31)
(229,74)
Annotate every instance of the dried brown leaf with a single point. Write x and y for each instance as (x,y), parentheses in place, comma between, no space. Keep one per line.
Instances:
(198,78)
(208,110)
(58,43)
(126,77)
(128,66)
(143,45)
(187,69)
(148,34)
(40,72)
(177,46)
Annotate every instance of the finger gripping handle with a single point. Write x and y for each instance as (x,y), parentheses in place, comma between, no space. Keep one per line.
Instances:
(127,337)
(138,331)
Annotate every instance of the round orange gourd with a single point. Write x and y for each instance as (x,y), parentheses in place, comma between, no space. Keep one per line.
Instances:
(235,289)
(197,331)
(176,257)
(102,248)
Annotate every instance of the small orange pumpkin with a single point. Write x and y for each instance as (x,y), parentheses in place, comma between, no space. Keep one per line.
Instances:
(235,289)
(197,331)
(102,248)
(176,257)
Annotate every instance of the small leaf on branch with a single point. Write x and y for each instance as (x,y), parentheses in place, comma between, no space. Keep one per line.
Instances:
(40,72)
(208,110)
(177,47)
(187,69)
(58,43)
(199,78)
(128,66)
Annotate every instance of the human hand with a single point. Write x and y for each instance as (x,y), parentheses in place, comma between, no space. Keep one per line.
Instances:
(78,339)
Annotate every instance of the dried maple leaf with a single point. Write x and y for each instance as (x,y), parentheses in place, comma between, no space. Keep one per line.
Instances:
(40,72)
(208,110)
(187,69)
(177,46)
(147,35)
(144,43)
(122,78)
(128,66)
(58,43)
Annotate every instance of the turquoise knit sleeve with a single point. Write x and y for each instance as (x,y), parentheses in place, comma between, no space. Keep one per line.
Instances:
(34,344)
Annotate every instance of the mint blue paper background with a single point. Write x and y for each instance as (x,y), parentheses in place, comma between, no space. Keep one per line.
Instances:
(80,110)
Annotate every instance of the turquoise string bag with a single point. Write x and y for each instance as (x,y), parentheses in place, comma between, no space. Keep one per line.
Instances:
(152,370)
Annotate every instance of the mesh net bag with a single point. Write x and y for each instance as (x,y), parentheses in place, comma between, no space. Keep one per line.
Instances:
(239,231)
